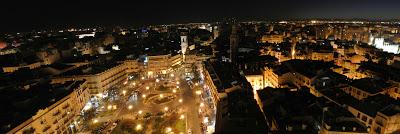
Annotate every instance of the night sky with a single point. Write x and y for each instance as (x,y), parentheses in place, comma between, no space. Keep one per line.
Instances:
(25,15)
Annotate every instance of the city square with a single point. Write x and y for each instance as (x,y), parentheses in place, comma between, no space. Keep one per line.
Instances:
(165,103)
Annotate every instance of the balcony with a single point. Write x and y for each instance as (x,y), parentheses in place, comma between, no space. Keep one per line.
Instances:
(379,123)
(65,114)
(66,106)
(46,128)
(55,121)
(56,113)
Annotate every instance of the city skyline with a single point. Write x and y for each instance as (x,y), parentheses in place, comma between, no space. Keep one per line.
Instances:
(200,67)
(35,15)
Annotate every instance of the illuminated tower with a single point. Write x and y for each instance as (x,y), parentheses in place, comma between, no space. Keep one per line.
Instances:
(293,49)
(184,46)
(215,32)
(234,42)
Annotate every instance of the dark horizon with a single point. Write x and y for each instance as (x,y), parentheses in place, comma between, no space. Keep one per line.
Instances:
(37,15)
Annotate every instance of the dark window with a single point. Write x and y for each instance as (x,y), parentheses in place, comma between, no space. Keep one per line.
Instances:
(364,118)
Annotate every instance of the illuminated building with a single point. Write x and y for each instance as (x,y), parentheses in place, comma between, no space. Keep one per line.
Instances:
(49,56)
(363,88)
(276,39)
(99,77)
(256,81)
(386,46)
(56,115)
(86,35)
(324,56)
(229,90)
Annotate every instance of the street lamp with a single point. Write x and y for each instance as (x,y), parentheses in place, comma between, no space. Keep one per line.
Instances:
(130,107)
(157,80)
(161,95)
(180,100)
(100,95)
(198,92)
(124,92)
(168,129)
(138,127)
(140,112)
(202,104)
(177,82)
(165,108)
(95,121)
(147,87)
(182,117)
(174,90)
(144,96)
(109,107)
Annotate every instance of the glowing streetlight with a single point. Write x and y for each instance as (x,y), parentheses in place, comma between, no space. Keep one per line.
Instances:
(168,129)
(130,107)
(177,82)
(147,87)
(115,107)
(174,90)
(161,95)
(109,107)
(182,117)
(142,78)
(134,84)
(140,112)
(100,95)
(124,92)
(157,80)
(202,104)
(95,121)
(138,127)
(180,100)
(165,108)
(196,84)
(198,92)
(144,96)
(172,75)
(177,86)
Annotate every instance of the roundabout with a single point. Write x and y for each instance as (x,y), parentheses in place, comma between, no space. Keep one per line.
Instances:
(161,99)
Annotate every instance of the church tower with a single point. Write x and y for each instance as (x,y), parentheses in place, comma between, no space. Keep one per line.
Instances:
(184,46)
(234,44)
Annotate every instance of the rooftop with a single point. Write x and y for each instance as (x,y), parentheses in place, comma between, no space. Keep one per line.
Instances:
(223,74)
(370,106)
(243,114)
(370,85)
(90,69)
